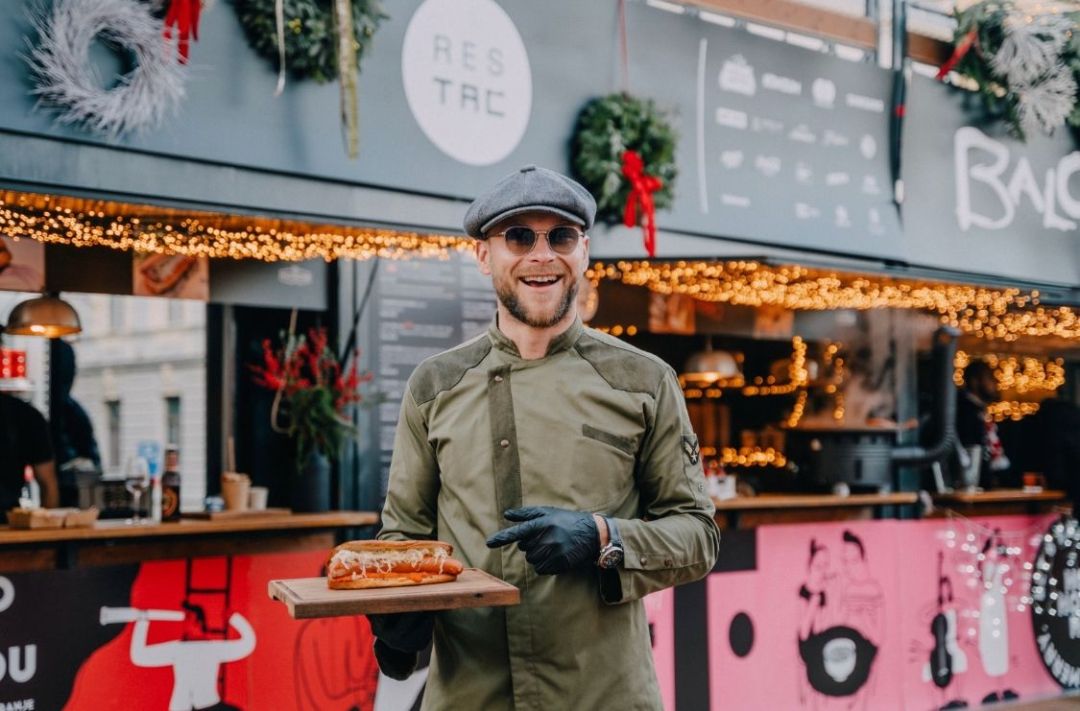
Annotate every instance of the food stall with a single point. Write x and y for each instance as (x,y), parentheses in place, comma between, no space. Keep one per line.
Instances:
(798,308)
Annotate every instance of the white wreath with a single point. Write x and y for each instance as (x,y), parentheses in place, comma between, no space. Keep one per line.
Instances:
(67,79)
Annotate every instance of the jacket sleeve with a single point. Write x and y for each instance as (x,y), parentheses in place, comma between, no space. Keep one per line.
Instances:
(677,541)
(410,510)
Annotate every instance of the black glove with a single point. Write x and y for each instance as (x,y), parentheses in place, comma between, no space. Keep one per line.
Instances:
(399,638)
(404,631)
(396,665)
(553,540)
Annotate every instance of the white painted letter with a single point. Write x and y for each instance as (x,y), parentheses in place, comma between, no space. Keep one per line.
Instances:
(968,138)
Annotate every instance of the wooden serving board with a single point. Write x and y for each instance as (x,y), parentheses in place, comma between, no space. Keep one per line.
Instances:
(234,515)
(310,597)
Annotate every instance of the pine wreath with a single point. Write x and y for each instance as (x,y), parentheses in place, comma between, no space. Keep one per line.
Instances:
(608,127)
(310,39)
(1024,65)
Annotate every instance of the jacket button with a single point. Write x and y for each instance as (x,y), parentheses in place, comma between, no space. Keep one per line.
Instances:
(498,378)
(504,443)
(668,562)
(644,560)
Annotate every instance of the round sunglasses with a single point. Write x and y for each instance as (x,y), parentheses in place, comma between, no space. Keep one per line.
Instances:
(521,240)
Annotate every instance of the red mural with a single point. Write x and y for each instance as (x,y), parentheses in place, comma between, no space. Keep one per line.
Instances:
(202,633)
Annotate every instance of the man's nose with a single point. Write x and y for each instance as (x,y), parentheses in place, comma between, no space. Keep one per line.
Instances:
(542,251)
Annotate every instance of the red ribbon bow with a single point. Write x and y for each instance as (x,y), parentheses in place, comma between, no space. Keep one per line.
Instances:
(642,187)
(185,15)
(962,48)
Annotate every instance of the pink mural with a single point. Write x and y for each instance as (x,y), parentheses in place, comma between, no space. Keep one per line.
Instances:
(884,615)
(660,610)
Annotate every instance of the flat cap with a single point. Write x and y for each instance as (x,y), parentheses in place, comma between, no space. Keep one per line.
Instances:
(530,189)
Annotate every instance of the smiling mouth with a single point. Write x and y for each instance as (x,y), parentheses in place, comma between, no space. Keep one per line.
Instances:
(540,282)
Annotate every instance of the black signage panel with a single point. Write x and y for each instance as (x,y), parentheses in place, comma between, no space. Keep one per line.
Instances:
(978,200)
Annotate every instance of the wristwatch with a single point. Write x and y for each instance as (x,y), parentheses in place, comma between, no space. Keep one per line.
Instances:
(611,555)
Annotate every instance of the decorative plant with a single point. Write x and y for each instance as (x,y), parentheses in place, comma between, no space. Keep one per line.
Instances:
(1024,62)
(313,392)
(623,152)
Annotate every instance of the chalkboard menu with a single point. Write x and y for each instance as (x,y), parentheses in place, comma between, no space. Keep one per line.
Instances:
(777,143)
(423,307)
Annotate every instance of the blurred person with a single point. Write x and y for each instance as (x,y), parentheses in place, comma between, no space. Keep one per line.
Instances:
(976,428)
(72,431)
(24,441)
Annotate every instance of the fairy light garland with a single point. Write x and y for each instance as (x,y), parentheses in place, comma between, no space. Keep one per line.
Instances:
(83,223)
(1022,375)
(1005,314)
(746,456)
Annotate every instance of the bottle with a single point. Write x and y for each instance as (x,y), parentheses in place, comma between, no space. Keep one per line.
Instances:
(170,485)
(155,498)
(30,498)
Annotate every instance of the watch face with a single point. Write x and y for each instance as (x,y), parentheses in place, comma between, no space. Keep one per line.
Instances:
(610,558)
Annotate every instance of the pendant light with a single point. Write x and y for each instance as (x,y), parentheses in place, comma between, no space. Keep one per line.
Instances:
(48,316)
(714,368)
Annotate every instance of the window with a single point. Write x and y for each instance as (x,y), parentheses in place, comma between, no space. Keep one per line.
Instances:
(172,420)
(113,409)
(116,314)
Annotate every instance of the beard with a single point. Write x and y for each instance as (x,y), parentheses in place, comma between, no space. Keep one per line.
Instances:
(504,290)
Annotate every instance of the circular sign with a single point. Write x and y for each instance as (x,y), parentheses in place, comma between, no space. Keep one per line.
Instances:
(1055,602)
(467,79)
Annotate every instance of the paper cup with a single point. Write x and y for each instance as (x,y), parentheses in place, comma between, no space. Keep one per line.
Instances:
(257,498)
(235,490)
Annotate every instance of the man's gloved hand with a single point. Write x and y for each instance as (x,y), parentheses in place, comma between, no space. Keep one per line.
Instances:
(554,540)
(404,631)
(399,638)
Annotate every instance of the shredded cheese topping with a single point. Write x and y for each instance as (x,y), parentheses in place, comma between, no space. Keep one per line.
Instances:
(359,562)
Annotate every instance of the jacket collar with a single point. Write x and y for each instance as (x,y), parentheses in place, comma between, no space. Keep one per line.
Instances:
(561,342)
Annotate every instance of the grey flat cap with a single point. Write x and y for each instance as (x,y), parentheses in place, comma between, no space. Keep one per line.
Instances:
(531,189)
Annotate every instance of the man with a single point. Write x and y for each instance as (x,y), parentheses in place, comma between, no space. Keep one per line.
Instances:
(556,458)
(974,426)
(72,431)
(24,441)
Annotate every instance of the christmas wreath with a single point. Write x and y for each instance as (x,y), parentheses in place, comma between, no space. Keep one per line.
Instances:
(624,154)
(310,34)
(1025,65)
(65,77)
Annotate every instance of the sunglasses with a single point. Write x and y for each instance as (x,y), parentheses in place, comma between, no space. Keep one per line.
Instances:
(521,240)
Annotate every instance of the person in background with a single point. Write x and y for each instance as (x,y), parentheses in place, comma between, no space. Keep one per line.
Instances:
(974,425)
(555,457)
(72,431)
(24,441)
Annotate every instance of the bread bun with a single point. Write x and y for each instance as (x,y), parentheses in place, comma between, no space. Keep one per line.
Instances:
(390,580)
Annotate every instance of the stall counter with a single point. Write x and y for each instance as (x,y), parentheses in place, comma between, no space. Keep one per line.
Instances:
(116,543)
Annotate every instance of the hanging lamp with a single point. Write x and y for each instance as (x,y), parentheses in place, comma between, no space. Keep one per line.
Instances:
(48,316)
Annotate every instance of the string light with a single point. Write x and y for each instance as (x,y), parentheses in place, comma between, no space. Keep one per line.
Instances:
(140,228)
(746,456)
(1005,314)
(1017,374)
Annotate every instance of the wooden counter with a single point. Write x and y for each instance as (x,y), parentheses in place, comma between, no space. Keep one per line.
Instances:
(751,511)
(116,543)
(999,502)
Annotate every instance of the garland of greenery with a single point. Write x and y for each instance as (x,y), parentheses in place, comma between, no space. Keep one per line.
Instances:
(1025,66)
(310,37)
(606,129)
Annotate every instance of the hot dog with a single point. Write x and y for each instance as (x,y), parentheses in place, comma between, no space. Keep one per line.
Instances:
(161,272)
(356,565)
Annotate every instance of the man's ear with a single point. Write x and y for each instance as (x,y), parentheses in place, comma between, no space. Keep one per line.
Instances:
(483,256)
(585,261)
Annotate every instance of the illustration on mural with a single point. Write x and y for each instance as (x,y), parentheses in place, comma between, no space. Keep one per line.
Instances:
(196,660)
(842,626)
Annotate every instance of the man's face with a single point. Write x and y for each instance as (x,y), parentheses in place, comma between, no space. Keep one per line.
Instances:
(986,387)
(538,288)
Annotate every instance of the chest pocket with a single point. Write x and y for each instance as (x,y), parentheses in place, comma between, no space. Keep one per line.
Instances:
(605,468)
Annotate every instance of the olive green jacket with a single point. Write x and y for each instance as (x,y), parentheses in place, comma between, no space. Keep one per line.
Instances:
(595,425)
